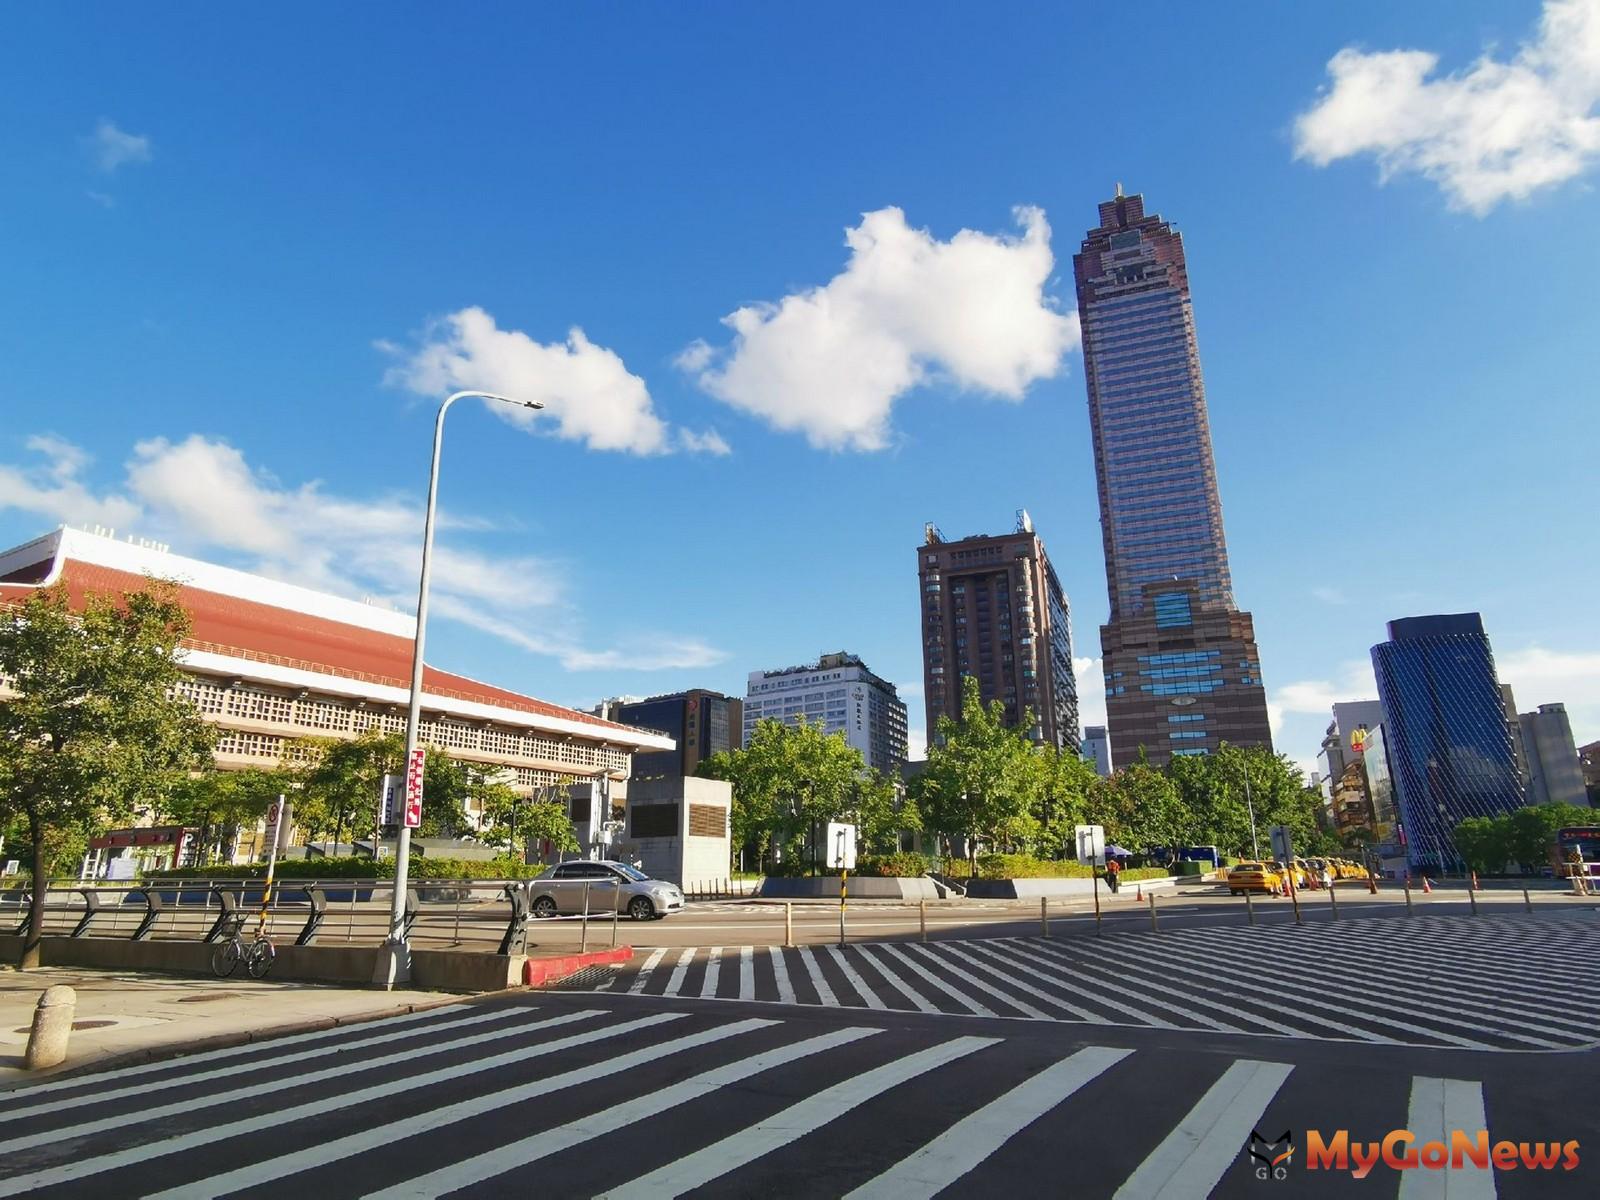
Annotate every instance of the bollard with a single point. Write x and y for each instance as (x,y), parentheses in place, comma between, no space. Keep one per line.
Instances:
(1527,900)
(1473,897)
(1153,926)
(922,918)
(455,938)
(583,938)
(1044,916)
(788,925)
(52,1023)
(1249,909)
(1408,895)
(1333,899)
(616,909)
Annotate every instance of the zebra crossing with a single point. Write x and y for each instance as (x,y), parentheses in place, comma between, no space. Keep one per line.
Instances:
(1494,982)
(579,1100)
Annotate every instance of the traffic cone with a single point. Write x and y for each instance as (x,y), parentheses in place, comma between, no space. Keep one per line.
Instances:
(1427,888)
(1138,891)
(1476,886)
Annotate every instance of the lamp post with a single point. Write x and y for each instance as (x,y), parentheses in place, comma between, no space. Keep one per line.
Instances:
(1255,844)
(394,959)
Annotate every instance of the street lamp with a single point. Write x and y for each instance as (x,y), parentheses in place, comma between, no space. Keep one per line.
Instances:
(1255,844)
(394,960)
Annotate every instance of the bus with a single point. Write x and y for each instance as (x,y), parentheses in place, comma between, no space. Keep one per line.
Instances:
(1576,851)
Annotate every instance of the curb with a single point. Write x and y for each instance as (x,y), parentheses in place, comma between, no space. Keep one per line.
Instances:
(537,972)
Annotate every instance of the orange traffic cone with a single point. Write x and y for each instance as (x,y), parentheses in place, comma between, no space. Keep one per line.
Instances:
(1427,888)
(1476,886)
(1138,891)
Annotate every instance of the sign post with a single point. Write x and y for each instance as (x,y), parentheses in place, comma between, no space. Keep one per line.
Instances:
(1092,853)
(277,823)
(1283,851)
(841,851)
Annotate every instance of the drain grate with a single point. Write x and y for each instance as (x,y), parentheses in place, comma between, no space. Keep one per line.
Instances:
(585,980)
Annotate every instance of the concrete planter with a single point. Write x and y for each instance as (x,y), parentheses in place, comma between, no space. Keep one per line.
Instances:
(861,887)
(1027,889)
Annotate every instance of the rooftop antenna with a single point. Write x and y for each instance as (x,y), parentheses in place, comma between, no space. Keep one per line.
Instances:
(931,534)
(1119,189)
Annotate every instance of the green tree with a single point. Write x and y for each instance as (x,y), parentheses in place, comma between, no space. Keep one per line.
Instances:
(1139,807)
(517,822)
(96,726)
(339,792)
(1484,842)
(1062,801)
(218,804)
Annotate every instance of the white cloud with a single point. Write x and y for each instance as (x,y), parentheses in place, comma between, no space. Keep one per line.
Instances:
(1539,676)
(1317,697)
(1330,595)
(204,497)
(586,390)
(101,198)
(1090,674)
(709,442)
(831,361)
(1500,130)
(916,744)
(112,148)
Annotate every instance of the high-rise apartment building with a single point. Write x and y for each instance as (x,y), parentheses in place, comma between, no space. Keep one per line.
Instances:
(1097,749)
(1555,773)
(992,608)
(838,692)
(1182,670)
(1445,731)
(701,722)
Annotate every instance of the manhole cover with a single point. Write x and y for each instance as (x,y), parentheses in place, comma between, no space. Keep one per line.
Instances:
(206,997)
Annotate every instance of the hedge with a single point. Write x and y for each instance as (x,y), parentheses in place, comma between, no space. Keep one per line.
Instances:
(421,867)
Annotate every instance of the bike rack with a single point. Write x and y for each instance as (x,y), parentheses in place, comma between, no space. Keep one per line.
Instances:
(515,940)
(153,906)
(319,909)
(229,915)
(93,905)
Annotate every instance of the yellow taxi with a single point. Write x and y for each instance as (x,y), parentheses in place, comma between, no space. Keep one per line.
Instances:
(1254,877)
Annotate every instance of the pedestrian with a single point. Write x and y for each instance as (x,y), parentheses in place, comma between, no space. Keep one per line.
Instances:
(1113,870)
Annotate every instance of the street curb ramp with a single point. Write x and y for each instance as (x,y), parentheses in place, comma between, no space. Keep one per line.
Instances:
(541,972)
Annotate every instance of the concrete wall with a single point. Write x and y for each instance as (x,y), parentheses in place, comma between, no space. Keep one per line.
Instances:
(862,887)
(1024,889)
(685,859)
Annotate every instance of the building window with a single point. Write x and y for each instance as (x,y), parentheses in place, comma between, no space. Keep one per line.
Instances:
(1172,610)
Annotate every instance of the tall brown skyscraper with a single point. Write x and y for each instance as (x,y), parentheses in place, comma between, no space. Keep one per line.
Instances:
(993,608)
(1181,667)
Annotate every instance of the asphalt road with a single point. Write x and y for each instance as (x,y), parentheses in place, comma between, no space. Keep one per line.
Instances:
(568,1094)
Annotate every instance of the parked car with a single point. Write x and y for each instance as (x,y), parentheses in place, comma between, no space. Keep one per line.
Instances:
(1254,877)
(560,890)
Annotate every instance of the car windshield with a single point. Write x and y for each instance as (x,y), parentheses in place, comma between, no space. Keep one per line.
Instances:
(632,873)
(1248,867)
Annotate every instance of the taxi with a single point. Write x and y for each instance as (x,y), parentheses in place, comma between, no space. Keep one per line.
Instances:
(1254,877)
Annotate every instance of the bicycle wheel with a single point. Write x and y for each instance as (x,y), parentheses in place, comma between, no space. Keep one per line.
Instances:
(225,958)
(262,956)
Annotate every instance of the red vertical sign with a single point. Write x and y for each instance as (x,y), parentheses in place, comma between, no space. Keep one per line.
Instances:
(414,789)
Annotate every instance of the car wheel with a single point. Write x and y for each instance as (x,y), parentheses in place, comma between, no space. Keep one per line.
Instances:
(544,907)
(640,908)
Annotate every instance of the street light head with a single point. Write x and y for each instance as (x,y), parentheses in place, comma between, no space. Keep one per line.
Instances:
(534,404)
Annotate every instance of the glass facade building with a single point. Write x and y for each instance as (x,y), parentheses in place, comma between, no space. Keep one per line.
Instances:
(1182,670)
(1445,733)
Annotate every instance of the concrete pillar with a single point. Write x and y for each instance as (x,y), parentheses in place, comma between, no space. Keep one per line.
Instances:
(52,1024)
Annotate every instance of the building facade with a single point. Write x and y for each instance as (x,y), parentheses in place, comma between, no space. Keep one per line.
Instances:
(1097,749)
(1555,773)
(1188,674)
(844,696)
(1445,731)
(993,609)
(1345,739)
(268,662)
(701,722)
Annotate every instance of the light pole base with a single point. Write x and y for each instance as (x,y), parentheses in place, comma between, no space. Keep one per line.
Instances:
(393,968)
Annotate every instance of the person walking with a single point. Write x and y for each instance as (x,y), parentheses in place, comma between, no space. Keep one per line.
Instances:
(1113,872)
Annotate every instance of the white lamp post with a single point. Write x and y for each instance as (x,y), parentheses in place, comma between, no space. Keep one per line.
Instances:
(394,960)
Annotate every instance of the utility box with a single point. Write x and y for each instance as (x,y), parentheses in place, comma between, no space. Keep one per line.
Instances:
(679,829)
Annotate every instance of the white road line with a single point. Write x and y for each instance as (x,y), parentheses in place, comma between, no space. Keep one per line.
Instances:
(961,1148)
(429,1121)
(675,980)
(780,976)
(320,1107)
(1101,997)
(870,954)
(794,1122)
(337,1039)
(231,1071)
(708,986)
(1191,1159)
(992,968)
(955,993)
(814,971)
(747,973)
(643,977)
(640,1110)
(868,996)
(1439,1107)
(264,1087)
(1156,991)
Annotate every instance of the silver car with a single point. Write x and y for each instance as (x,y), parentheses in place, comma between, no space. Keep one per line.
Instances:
(560,890)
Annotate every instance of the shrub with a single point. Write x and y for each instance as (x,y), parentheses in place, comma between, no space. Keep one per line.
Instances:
(904,864)
(421,867)
(1023,866)
(1188,868)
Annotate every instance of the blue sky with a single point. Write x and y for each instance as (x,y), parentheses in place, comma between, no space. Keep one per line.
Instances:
(241,253)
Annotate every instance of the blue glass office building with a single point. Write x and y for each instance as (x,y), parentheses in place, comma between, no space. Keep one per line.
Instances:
(1446,738)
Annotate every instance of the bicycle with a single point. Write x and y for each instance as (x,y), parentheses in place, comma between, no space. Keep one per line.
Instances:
(257,956)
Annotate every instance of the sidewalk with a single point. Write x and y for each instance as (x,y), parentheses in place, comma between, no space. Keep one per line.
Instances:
(128,1016)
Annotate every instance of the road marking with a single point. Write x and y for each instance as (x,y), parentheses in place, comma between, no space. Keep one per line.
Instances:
(1191,1159)
(619,1116)
(1140,975)
(708,986)
(79,1167)
(643,977)
(961,1148)
(338,1038)
(867,994)
(870,954)
(1439,1106)
(814,971)
(747,973)
(1138,1014)
(675,980)
(957,994)
(760,1139)
(995,970)
(780,976)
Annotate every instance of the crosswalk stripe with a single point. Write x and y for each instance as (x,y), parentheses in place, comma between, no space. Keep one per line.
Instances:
(387,1133)
(747,973)
(961,1148)
(1142,1015)
(708,986)
(868,996)
(1011,951)
(996,965)
(814,972)
(780,975)
(794,1122)
(649,964)
(869,954)
(335,1037)
(264,1087)
(1437,1107)
(959,995)
(116,1160)
(675,980)
(231,1071)
(1191,1159)
(619,1116)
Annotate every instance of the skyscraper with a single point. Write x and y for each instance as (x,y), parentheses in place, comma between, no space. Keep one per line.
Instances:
(1182,670)
(1445,729)
(839,693)
(993,608)
(701,722)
